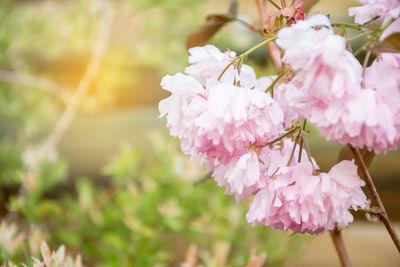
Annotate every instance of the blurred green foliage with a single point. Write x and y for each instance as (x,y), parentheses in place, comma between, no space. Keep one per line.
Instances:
(149,213)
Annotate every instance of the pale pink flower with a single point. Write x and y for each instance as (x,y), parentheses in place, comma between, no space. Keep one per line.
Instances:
(325,68)
(243,176)
(368,117)
(328,85)
(385,9)
(185,92)
(221,121)
(236,118)
(208,62)
(291,101)
(364,120)
(302,201)
(287,96)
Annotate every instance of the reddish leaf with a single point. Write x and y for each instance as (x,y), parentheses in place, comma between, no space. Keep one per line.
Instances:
(390,44)
(203,34)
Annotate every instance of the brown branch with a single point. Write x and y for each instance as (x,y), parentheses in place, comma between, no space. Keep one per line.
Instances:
(383,214)
(100,47)
(28,80)
(261,13)
(340,248)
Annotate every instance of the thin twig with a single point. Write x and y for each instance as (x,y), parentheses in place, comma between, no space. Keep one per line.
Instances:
(366,59)
(204,179)
(383,214)
(302,139)
(363,34)
(283,135)
(347,25)
(340,248)
(296,141)
(244,55)
(100,47)
(35,82)
(271,86)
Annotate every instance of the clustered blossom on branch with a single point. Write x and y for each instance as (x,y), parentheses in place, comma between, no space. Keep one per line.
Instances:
(329,82)
(386,10)
(250,131)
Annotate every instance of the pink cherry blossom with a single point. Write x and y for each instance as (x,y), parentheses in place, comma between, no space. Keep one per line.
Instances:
(185,91)
(326,70)
(386,9)
(368,117)
(236,118)
(241,176)
(291,101)
(328,85)
(245,175)
(302,201)
(208,62)
(364,120)
(221,121)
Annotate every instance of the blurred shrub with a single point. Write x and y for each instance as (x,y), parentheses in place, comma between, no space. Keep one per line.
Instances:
(150,213)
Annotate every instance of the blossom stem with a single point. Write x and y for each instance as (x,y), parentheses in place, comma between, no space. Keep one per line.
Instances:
(361,35)
(271,86)
(302,139)
(366,59)
(383,214)
(226,68)
(296,141)
(241,57)
(347,25)
(283,135)
(340,248)
(260,44)
(386,25)
(362,48)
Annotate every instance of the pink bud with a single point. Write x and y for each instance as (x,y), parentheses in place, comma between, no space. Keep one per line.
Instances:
(299,16)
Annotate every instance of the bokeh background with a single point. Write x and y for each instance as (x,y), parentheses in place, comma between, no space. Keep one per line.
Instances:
(86,162)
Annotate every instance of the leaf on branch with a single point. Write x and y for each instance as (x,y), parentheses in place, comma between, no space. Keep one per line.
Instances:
(391,44)
(308,4)
(203,34)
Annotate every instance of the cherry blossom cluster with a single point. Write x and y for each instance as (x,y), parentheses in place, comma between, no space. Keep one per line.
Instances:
(332,91)
(386,10)
(250,131)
